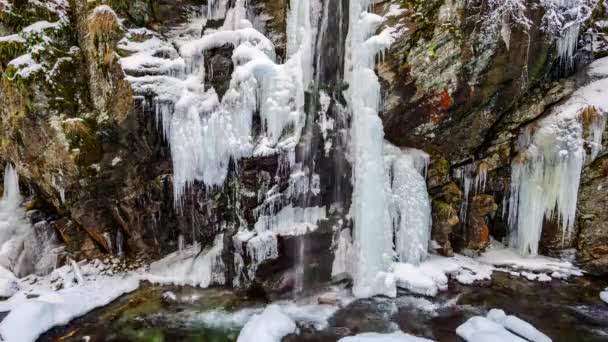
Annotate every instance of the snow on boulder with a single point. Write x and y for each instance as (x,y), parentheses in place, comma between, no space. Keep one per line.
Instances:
(518,326)
(269,326)
(497,326)
(604,295)
(375,337)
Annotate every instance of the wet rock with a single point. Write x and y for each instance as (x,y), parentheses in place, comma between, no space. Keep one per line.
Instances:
(592,238)
(478,233)
(445,218)
(363,315)
(329,298)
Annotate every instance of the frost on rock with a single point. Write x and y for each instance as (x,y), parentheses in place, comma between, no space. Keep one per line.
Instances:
(269,326)
(409,206)
(190,266)
(545,176)
(498,326)
(376,337)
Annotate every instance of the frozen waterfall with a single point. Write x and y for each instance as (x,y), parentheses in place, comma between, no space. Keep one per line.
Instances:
(372,236)
(207,132)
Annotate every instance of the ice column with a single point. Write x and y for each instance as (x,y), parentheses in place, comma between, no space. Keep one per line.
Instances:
(372,236)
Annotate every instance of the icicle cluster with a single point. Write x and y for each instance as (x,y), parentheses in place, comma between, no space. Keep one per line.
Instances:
(545,177)
(205,132)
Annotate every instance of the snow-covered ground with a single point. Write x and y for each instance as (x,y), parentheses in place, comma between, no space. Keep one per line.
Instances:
(68,292)
(431,276)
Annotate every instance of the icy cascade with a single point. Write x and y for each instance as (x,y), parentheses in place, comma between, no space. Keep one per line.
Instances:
(409,206)
(545,177)
(372,241)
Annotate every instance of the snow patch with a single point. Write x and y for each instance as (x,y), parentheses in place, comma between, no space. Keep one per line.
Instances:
(376,337)
(269,326)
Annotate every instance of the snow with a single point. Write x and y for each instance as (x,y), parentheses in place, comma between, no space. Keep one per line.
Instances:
(481,329)
(431,275)
(38,306)
(13,38)
(545,177)
(376,337)
(39,26)
(508,258)
(25,65)
(498,327)
(518,326)
(269,326)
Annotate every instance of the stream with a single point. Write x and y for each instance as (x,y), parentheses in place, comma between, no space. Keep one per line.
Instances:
(564,310)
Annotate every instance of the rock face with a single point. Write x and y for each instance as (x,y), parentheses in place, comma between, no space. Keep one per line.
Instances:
(461,83)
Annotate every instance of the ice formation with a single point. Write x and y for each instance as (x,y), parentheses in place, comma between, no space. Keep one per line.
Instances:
(545,177)
(372,241)
(498,326)
(409,206)
(190,266)
(24,249)
(205,132)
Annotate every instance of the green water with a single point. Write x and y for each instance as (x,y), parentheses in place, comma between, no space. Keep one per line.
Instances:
(145,316)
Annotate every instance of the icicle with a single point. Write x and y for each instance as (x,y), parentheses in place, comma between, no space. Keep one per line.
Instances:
(566,46)
(466,175)
(545,177)
(120,243)
(481,177)
(180,243)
